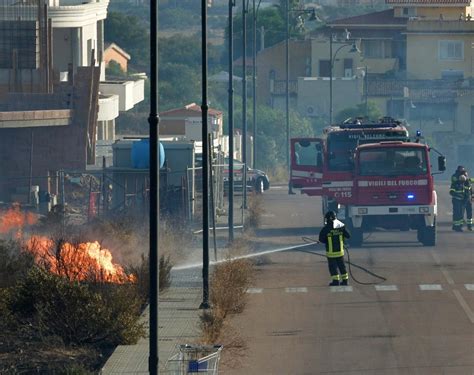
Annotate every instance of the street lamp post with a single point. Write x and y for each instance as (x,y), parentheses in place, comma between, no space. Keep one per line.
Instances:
(231,124)
(332,59)
(153,121)
(254,81)
(205,162)
(287,97)
(244,103)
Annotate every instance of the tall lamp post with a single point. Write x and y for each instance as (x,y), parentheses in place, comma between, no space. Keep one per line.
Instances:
(287,75)
(205,162)
(153,121)
(332,59)
(244,102)
(254,81)
(231,124)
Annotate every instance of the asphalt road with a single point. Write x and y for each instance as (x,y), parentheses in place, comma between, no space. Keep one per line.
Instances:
(419,321)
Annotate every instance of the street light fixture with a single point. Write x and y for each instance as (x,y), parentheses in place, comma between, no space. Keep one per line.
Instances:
(332,59)
(312,17)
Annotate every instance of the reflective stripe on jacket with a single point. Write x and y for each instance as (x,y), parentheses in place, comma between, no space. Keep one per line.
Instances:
(332,235)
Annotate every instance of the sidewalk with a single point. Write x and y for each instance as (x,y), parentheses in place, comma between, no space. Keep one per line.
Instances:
(178,314)
(178,323)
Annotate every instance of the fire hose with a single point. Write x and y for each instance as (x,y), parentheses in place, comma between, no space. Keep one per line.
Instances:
(350,264)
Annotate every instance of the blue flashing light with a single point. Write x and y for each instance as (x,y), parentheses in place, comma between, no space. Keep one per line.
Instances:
(411,196)
(418,133)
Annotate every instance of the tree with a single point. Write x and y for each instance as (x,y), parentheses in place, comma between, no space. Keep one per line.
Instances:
(132,35)
(273,21)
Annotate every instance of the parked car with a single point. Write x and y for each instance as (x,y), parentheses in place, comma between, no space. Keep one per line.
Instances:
(257,180)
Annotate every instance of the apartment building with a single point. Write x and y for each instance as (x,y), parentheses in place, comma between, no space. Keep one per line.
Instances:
(56,103)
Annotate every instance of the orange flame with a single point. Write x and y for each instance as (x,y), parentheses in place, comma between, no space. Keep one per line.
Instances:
(84,261)
(14,219)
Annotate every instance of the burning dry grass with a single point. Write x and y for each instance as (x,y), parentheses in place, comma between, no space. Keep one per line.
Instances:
(53,315)
(14,220)
(77,261)
(65,301)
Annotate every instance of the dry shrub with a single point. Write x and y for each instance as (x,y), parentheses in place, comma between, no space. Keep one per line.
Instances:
(230,281)
(79,313)
(14,264)
(255,210)
(142,273)
(235,348)
(211,326)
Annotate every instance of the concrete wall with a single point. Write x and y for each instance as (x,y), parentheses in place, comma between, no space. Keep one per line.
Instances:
(53,147)
(320,51)
(62,49)
(273,59)
(423,60)
(313,95)
(88,32)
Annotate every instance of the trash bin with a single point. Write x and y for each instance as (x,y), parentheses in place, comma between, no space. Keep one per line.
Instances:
(193,359)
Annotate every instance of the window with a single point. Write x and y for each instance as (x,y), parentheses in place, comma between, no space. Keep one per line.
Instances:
(392,162)
(309,154)
(377,49)
(451,50)
(348,68)
(324,68)
(409,12)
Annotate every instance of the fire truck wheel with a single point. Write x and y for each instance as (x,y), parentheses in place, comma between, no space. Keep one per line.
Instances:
(427,235)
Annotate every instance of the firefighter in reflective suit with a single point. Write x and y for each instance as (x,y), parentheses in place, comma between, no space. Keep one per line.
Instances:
(333,235)
(460,192)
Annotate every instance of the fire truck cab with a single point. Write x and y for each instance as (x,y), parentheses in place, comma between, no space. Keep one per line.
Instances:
(337,168)
(394,189)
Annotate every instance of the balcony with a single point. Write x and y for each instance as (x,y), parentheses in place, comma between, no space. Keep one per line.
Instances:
(108,107)
(129,92)
(440,27)
(381,66)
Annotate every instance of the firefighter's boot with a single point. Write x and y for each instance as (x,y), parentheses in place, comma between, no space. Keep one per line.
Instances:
(334,283)
(469,228)
(344,282)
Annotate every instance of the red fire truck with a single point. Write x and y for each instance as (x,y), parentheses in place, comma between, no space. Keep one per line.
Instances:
(389,196)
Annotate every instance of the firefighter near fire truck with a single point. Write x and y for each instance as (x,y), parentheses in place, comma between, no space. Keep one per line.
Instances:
(461,193)
(333,235)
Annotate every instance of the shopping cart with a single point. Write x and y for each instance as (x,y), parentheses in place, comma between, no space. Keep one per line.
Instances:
(191,359)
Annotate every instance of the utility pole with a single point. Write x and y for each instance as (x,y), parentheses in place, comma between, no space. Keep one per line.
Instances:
(205,162)
(254,85)
(244,104)
(231,124)
(153,120)
(287,91)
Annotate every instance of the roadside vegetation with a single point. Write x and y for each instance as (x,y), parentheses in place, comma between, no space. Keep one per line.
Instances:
(59,313)
(255,211)
(230,281)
